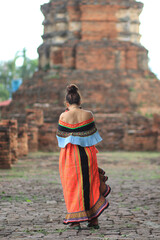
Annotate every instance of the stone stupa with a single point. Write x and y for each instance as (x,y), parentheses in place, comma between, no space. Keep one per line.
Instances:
(96,45)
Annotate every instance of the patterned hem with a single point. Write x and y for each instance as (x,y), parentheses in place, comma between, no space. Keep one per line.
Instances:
(108,190)
(88,215)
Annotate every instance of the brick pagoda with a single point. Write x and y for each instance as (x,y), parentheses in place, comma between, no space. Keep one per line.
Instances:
(96,45)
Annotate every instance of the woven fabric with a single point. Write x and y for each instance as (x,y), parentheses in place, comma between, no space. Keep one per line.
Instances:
(84,134)
(84,186)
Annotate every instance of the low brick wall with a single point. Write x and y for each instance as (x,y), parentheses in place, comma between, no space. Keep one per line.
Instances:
(34,117)
(33,139)
(22,140)
(144,140)
(47,140)
(156,128)
(128,132)
(8,143)
(158,143)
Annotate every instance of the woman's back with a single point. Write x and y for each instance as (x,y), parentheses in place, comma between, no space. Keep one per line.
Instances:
(75,115)
(83,184)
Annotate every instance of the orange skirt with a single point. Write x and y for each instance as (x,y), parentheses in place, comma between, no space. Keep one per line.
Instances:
(83,183)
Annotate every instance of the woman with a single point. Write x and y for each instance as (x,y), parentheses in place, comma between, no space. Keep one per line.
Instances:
(83,182)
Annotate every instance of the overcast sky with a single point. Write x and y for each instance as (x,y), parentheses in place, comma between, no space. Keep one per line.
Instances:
(21,26)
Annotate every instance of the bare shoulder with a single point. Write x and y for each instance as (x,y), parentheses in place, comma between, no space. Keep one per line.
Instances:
(88,114)
(62,116)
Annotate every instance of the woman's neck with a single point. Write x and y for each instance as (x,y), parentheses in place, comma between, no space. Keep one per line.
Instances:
(73,106)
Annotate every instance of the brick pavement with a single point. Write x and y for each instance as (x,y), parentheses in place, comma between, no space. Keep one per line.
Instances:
(32,205)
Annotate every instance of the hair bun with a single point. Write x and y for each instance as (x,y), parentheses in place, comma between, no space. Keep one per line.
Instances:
(72,88)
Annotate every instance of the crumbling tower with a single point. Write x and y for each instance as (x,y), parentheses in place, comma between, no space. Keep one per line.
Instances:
(96,45)
(99,23)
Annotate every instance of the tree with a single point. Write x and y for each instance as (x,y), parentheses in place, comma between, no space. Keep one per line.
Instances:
(28,67)
(4,94)
(9,71)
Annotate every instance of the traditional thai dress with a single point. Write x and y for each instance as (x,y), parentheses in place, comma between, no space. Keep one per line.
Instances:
(83,182)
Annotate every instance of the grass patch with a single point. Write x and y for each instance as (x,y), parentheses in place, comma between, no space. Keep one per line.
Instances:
(139,175)
(13,173)
(129,225)
(18,198)
(101,235)
(146,207)
(92,230)
(43,231)
(121,194)
(130,155)
(60,230)
(136,209)
(42,154)
(121,164)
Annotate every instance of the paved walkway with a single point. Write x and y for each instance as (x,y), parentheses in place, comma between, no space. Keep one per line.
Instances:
(32,205)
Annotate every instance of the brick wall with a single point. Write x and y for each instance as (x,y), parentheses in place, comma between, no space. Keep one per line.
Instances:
(8,143)
(110,70)
(47,140)
(127,132)
(156,129)
(22,140)
(34,119)
(94,44)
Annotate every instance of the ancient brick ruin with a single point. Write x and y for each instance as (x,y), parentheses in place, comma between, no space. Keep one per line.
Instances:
(96,45)
(17,139)
(8,143)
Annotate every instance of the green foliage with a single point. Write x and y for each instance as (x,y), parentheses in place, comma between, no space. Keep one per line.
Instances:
(151,76)
(136,209)
(52,76)
(141,104)
(9,71)
(57,67)
(41,230)
(17,198)
(131,89)
(46,67)
(149,115)
(28,67)
(4,94)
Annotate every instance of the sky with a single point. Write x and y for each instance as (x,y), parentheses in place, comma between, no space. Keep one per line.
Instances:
(21,26)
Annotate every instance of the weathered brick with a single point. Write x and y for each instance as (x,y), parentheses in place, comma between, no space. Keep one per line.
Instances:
(99,13)
(34,117)
(158,143)
(73,13)
(94,44)
(98,30)
(22,139)
(8,143)
(47,140)
(32,138)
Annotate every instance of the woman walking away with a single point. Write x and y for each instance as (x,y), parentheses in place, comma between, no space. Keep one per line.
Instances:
(83,182)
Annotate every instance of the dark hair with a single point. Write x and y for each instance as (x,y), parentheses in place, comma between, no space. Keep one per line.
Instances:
(73,96)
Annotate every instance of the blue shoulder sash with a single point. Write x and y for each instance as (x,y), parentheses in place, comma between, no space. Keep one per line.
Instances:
(84,133)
